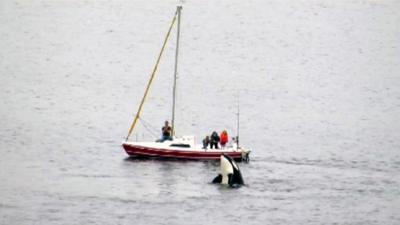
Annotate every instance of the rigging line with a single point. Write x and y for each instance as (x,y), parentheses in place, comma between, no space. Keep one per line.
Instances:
(148,127)
(147,124)
(151,78)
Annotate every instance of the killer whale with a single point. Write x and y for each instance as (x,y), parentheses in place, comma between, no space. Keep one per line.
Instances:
(230,173)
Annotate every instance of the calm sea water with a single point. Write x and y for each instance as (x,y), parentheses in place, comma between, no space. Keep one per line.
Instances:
(318,85)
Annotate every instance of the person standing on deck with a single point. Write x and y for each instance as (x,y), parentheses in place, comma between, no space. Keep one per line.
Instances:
(214,140)
(223,138)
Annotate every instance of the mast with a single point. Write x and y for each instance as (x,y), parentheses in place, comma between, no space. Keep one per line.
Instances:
(178,10)
(151,78)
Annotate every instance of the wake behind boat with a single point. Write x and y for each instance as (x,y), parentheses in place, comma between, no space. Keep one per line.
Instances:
(183,147)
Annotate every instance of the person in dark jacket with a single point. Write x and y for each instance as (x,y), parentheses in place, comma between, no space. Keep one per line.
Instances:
(206,142)
(214,140)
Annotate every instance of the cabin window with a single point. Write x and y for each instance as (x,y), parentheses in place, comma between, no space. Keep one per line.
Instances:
(180,145)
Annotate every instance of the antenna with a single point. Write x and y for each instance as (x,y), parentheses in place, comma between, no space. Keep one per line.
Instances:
(238,121)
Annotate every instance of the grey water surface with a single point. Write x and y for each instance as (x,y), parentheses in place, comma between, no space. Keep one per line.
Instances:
(319,89)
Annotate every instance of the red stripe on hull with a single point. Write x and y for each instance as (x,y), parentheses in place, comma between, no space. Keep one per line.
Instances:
(134,150)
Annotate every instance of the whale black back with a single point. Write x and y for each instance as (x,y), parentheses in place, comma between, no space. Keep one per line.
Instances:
(235,178)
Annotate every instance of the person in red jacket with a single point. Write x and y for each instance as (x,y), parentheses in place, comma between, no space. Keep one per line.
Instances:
(224,138)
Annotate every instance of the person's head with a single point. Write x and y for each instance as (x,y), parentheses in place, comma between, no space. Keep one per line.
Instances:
(166,123)
(224,132)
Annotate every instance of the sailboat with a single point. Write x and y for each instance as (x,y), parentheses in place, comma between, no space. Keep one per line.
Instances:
(180,147)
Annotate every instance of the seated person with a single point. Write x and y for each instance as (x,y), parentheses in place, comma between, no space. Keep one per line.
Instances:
(235,142)
(206,142)
(214,140)
(166,132)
